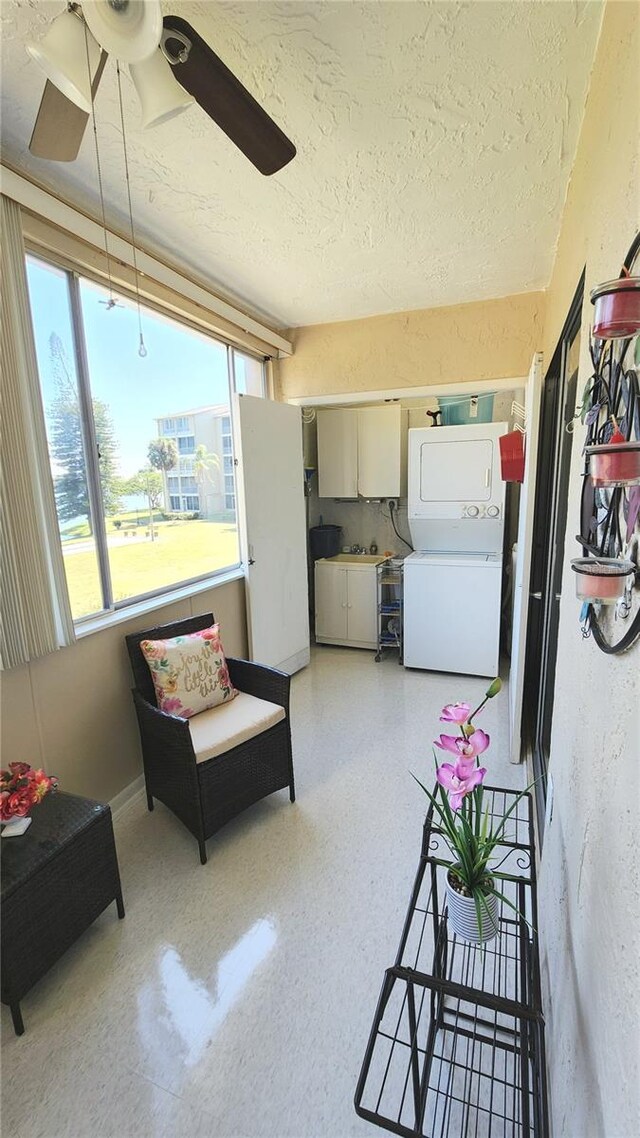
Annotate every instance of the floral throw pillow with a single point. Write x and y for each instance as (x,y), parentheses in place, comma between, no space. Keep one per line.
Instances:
(189,673)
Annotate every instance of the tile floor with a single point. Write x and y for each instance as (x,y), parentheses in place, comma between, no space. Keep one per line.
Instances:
(235,999)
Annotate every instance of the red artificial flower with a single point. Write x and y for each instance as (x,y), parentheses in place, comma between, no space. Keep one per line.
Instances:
(22,788)
(19,770)
(40,784)
(20,802)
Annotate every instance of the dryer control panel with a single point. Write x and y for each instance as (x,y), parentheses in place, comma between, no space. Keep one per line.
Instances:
(481,511)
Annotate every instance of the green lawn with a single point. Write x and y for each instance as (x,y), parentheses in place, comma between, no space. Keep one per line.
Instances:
(138,565)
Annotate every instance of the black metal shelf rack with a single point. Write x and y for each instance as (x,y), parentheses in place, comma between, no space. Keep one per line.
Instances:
(457,1042)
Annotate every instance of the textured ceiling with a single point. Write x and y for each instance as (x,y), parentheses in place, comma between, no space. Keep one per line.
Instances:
(435,142)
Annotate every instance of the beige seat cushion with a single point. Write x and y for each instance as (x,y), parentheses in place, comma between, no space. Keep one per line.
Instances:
(220,728)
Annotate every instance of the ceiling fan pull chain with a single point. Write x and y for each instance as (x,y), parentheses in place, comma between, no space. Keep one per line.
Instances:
(111,302)
(142,351)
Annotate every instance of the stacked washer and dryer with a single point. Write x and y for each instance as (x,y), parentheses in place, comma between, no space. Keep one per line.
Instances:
(453,582)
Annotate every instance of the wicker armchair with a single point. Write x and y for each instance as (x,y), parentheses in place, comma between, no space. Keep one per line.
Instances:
(205,795)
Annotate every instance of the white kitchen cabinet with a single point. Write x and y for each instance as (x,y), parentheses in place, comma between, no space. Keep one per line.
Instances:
(346,603)
(359,452)
(379,437)
(338,453)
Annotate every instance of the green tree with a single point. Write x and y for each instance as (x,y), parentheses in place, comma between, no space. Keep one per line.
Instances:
(67,444)
(163,454)
(150,483)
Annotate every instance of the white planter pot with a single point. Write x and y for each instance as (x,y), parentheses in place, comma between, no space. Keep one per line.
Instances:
(15,827)
(463,918)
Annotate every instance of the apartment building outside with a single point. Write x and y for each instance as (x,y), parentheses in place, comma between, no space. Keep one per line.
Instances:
(203,480)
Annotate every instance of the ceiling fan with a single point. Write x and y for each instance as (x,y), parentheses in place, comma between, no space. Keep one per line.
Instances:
(159,52)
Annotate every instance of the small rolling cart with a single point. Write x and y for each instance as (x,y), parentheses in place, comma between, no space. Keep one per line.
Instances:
(390,574)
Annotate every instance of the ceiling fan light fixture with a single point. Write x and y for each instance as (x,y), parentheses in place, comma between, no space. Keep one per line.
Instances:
(62,55)
(128,29)
(161,97)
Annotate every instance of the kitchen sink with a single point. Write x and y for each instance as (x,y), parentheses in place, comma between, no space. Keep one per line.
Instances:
(358,558)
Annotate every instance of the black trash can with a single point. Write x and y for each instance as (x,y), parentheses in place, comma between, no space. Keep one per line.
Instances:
(324,541)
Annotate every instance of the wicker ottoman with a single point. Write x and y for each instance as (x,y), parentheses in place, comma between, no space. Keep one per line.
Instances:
(56,879)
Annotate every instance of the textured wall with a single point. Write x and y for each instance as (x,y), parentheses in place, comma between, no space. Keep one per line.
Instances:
(492,339)
(72,713)
(590,880)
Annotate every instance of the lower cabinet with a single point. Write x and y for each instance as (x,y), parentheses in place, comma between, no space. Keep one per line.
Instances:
(346,604)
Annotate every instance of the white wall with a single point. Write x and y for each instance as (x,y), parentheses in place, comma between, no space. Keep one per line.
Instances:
(590,874)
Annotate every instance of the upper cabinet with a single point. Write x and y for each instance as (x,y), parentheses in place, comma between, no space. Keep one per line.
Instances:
(379,451)
(359,452)
(338,453)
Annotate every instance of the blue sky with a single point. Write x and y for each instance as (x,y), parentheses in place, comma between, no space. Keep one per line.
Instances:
(182,369)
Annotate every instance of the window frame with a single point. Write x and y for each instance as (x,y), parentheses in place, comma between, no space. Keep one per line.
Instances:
(73,277)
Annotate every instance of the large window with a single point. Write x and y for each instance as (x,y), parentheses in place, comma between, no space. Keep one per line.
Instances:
(138,446)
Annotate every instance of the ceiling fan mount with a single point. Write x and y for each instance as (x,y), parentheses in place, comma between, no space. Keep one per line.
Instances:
(184,47)
(166,57)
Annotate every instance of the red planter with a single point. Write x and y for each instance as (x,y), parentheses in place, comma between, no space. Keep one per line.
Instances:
(614,464)
(601,580)
(512,456)
(617,308)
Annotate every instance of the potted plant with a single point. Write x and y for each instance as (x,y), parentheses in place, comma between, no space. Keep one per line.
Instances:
(21,788)
(601,580)
(472,889)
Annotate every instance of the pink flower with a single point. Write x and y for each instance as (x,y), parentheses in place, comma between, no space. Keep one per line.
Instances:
(21,788)
(468,748)
(153,649)
(455,713)
(174,706)
(18,770)
(459,780)
(41,784)
(20,802)
(476,743)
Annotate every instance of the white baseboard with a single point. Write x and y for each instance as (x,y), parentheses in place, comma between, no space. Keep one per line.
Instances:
(127,797)
(295,663)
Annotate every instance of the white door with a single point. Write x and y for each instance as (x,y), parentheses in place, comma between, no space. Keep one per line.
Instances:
(362,606)
(272,513)
(331,601)
(455,470)
(533,398)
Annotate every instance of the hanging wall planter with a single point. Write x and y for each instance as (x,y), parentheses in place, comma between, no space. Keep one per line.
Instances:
(614,463)
(601,580)
(617,308)
(608,573)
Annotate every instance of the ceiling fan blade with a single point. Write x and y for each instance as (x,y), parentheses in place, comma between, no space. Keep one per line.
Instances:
(225,100)
(60,124)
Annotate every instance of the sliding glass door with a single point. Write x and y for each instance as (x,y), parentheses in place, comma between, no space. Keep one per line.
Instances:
(552,490)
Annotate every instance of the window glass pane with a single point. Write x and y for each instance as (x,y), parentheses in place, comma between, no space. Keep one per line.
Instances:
(52,328)
(249,374)
(163,420)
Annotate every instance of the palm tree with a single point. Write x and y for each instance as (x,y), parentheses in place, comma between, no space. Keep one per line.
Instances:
(204,463)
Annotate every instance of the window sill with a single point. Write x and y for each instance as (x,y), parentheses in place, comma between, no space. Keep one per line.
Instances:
(153,604)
